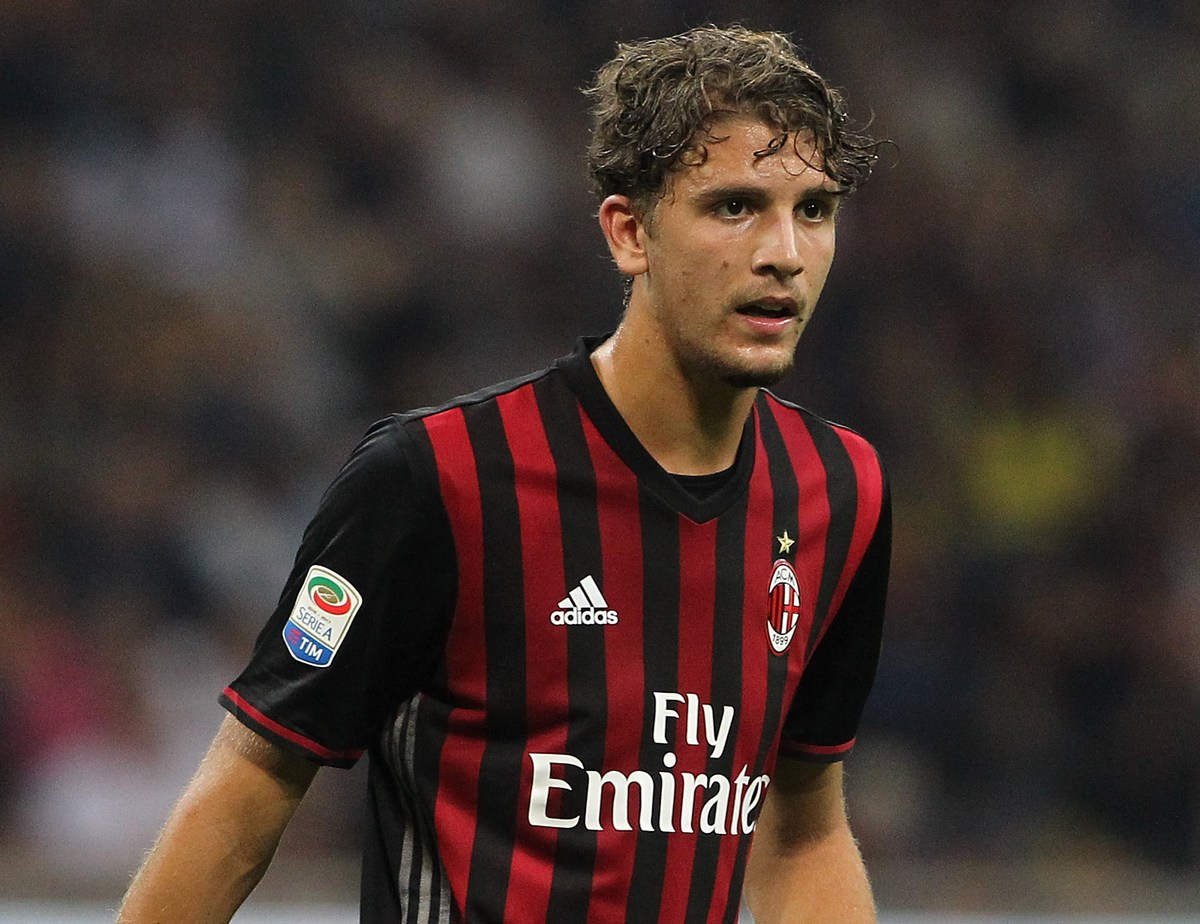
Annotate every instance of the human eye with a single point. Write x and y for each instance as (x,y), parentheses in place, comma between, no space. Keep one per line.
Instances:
(732,208)
(818,208)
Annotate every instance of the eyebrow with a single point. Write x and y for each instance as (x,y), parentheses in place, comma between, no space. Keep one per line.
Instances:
(711,197)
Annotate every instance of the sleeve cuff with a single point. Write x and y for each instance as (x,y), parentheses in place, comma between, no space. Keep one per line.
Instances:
(819,753)
(255,719)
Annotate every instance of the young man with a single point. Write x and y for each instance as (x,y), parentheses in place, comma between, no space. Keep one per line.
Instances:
(599,627)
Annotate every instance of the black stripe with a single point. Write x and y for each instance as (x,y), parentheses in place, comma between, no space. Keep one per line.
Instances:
(587,683)
(430,723)
(378,886)
(785,503)
(425,461)
(660,662)
(841,488)
(504,638)
(726,688)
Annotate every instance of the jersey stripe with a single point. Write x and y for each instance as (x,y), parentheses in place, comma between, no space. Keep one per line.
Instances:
(586,681)
(546,659)
(384,876)
(761,528)
(697,561)
(821,750)
(660,640)
(725,689)
(785,509)
(842,492)
(504,639)
(730,683)
(427,728)
(465,665)
(868,477)
(419,875)
(810,511)
(620,533)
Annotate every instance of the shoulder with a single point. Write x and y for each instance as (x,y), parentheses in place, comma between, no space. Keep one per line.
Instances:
(834,460)
(432,418)
(827,435)
(449,449)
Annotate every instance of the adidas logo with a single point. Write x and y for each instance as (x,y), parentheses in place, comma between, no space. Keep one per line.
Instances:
(584,606)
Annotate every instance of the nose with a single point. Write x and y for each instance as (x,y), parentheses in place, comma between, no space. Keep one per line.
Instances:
(778,250)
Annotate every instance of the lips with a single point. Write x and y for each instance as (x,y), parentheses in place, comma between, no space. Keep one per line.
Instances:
(773,308)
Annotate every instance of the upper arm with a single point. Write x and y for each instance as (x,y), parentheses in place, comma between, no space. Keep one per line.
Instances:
(222,833)
(241,758)
(804,865)
(247,788)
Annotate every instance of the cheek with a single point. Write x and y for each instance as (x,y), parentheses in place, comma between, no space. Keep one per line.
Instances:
(821,257)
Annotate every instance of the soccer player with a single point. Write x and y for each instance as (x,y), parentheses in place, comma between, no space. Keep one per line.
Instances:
(605,632)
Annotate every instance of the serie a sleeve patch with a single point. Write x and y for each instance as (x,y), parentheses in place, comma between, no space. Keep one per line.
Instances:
(321,617)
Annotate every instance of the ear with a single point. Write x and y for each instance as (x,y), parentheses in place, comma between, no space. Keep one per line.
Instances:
(625,233)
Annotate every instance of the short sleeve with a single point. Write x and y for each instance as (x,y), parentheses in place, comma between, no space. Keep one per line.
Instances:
(363,615)
(822,722)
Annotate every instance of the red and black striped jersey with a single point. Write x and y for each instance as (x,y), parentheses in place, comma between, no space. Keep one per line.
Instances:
(572,675)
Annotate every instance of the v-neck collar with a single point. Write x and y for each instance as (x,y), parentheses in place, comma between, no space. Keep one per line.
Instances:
(582,377)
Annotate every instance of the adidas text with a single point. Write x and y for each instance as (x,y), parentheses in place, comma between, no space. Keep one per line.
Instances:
(584,617)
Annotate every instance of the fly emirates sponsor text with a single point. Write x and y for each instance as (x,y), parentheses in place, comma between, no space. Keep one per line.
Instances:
(667,801)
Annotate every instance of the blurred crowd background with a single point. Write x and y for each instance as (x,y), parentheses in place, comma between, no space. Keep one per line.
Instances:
(235,232)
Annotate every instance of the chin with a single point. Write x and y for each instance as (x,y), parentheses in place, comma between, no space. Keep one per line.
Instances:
(756,375)
(758,378)
(738,369)
(757,372)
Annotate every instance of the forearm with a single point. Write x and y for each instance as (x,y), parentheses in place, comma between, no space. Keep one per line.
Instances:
(820,880)
(196,873)
(220,838)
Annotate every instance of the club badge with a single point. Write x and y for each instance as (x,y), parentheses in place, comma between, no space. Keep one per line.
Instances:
(784,613)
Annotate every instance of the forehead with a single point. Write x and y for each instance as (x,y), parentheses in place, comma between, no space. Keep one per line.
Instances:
(739,148)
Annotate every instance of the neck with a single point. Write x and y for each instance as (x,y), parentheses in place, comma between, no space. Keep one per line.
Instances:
(689,427)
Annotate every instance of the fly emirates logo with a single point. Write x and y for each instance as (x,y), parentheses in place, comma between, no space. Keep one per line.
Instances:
(667,801)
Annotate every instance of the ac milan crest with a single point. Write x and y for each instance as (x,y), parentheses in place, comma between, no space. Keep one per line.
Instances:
(784,613)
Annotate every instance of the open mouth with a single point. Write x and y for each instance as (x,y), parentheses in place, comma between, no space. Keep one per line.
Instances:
(774,310)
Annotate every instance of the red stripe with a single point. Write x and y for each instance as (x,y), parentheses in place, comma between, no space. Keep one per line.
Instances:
(812,516)
(758,567)
(761,551)
(697,604)
(261,718)
(760,546)
(456,807)
(818,750)
(621,544)
(531,869)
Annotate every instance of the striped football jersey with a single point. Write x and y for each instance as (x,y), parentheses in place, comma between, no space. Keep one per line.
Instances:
(572,675)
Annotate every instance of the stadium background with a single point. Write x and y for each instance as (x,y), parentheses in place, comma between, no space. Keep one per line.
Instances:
(234,232)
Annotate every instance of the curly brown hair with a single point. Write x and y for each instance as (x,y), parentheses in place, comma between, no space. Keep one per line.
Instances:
(654,105)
